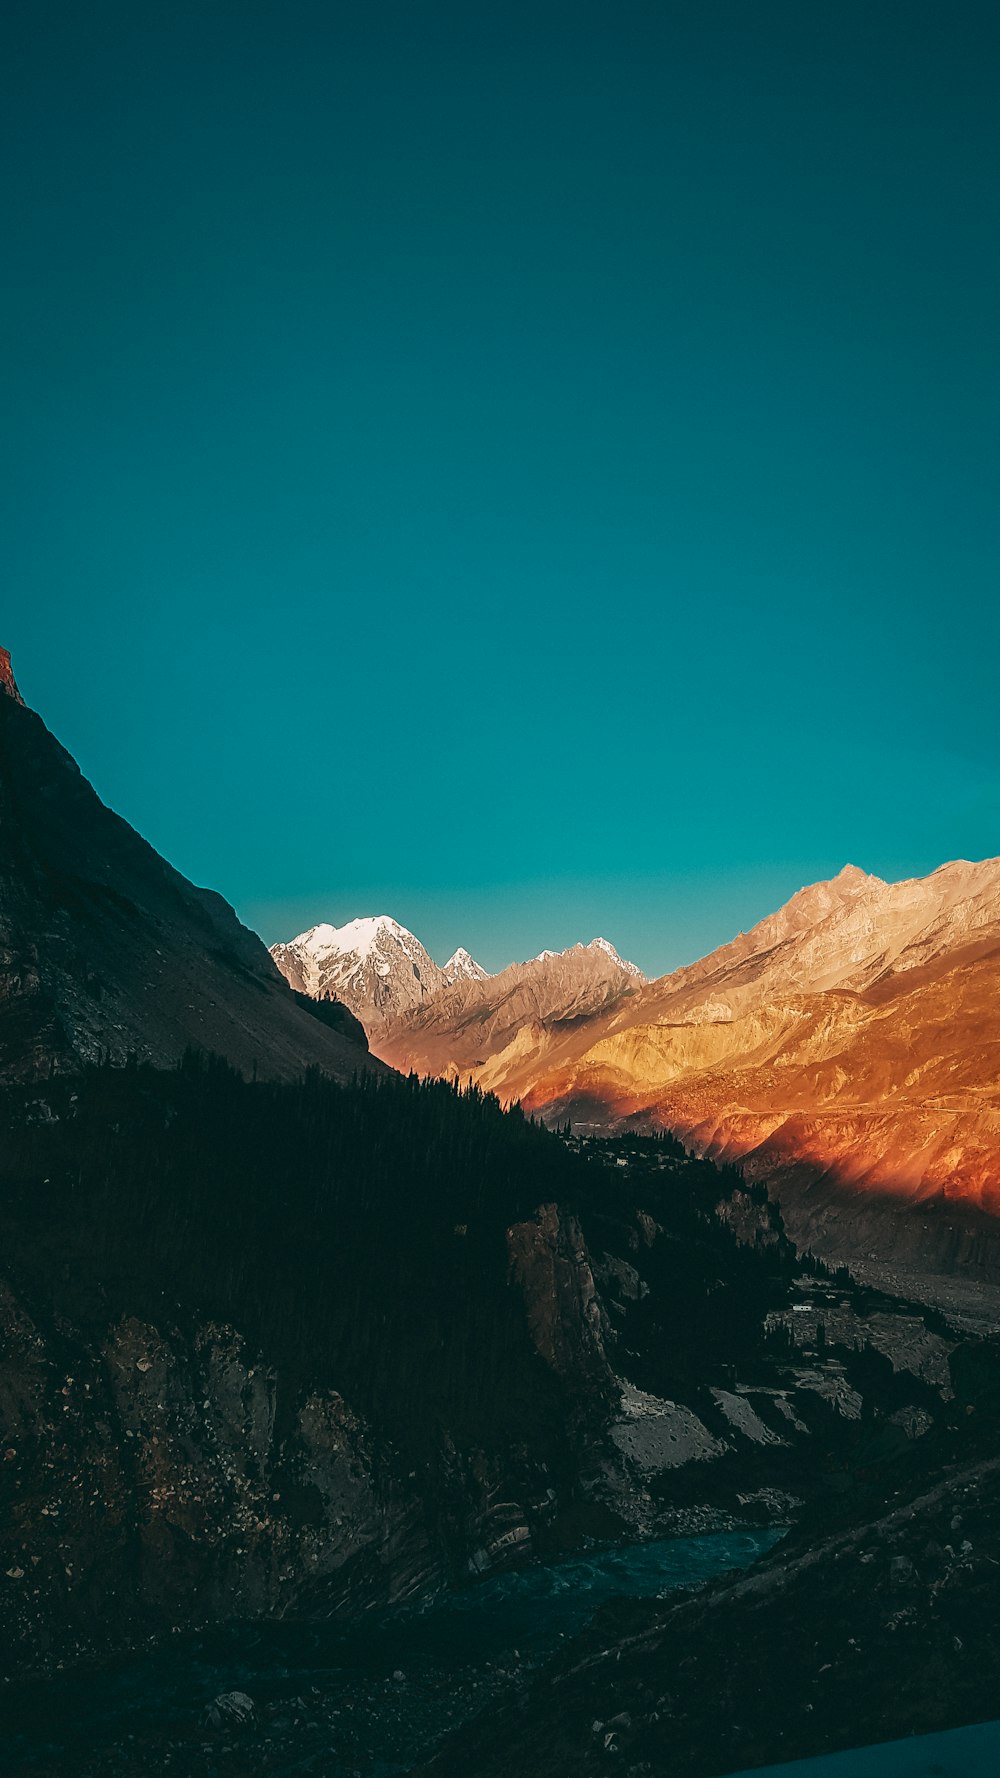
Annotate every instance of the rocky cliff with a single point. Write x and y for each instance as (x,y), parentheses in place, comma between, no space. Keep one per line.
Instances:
(296,1350)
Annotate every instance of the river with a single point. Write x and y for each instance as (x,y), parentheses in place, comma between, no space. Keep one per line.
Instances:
(372,1697)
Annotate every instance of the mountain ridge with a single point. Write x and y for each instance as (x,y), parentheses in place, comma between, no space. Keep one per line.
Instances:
(383,972)
(107,951)
(846,1049)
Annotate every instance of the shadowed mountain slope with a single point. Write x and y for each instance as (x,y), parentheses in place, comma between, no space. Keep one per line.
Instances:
(104,948)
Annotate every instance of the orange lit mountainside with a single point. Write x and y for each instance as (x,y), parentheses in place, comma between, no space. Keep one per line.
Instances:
(847,1049)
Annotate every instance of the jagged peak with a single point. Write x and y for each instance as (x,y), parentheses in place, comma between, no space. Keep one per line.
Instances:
(849,876)
(605,945)
(8,684)
(461,966)
(847,882)
(357,936)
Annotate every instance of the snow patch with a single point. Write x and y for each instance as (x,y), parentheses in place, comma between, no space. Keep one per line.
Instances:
(358,938)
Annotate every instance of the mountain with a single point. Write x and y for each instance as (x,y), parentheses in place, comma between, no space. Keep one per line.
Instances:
(315,1348)
(107,950)
(375,966)
(300,1348)
(846,1049)
(462,967)
(407,1003)
(512,1016)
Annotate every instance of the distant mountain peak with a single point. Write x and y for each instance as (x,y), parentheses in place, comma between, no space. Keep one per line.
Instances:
(601,945)
(8,684)
(605,945)
(358,938)
(462,967)
(378,968)
(384,975)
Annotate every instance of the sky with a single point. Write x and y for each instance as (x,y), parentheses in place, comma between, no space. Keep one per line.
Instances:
(530,469)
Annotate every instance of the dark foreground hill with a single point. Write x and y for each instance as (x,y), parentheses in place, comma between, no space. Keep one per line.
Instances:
(107,950)
(298,1349)
(881,1628)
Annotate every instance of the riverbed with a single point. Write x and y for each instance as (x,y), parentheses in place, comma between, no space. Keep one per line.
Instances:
(334,1700)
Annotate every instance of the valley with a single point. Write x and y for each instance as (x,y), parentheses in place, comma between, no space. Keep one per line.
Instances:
(500,891)
(845,1051)
(365,1317)
(341,1698)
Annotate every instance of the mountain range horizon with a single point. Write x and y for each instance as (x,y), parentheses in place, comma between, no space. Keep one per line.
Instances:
(340,936)
(810,1050)
(845,1050)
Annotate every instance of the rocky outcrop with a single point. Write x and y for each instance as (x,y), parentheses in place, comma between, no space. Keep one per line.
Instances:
(8,684)
(551,1267)
(153,1480)
(106,950)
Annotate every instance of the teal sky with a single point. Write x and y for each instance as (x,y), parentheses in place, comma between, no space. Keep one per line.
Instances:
(530,469)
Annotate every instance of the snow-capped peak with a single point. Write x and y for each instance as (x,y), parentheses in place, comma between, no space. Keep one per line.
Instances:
(462,967)
(357,939)
(605,945)
(596,944)
(349,962)
(382,972)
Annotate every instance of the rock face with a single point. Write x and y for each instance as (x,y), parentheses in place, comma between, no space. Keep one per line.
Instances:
(445,1021)
(105,949)
(231,1710)
(462,967)
(494,1026)
(8,684)
(375,966)
(847,1049)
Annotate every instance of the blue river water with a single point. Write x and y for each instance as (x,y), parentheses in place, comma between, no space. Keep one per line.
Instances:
(956,1753)
(384,1688)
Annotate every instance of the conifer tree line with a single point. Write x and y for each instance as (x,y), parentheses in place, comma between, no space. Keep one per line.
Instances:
(358,1235)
